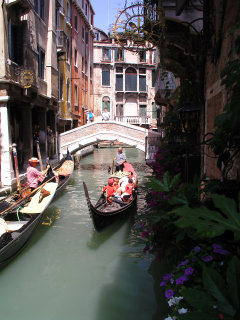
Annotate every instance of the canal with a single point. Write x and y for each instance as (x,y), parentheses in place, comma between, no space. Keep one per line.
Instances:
(68,271)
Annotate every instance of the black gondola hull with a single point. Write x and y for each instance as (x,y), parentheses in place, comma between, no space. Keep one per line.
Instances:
(102,220)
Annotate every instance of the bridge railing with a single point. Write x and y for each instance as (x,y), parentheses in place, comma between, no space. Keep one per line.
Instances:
(133,119)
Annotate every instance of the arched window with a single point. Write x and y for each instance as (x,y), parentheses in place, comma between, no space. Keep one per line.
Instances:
(131,79)
(105,76)
(106,103)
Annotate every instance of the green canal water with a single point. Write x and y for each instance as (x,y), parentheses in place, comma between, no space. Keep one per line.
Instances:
(68,271)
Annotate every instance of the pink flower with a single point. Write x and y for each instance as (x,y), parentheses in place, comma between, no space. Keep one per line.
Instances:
(144,234)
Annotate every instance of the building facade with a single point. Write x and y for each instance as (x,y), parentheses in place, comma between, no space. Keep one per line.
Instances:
(124,81)
(28,79)
(64,35)
(82,60)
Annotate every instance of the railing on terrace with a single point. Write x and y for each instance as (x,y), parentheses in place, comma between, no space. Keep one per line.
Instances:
(61,39)
(133,119)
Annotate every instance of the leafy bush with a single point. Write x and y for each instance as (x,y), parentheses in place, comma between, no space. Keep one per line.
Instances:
(205,285)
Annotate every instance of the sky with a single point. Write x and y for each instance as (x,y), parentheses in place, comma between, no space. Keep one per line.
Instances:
(106,12)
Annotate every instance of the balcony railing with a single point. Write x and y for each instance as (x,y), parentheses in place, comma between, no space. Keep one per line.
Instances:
(139,120)
(21,7)
(61,39)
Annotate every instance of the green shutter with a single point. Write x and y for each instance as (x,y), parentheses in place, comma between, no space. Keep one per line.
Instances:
(154,110)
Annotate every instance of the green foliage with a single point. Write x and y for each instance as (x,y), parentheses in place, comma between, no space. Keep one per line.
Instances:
(226,140)
(220,291)
(208,223)
(167,185)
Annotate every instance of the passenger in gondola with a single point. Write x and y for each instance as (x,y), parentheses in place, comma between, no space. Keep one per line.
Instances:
(34,176)
(109,190)
(120,159)
(126,195)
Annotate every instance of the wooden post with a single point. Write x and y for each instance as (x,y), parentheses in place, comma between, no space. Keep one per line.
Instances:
(14,150)
(39,156)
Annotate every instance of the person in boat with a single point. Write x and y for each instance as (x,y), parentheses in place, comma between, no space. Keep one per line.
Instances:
(126,195)
(120,159)
(109,190)
(124,181)
(34,176)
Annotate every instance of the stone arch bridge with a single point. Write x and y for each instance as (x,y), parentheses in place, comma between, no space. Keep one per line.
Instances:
(81,137)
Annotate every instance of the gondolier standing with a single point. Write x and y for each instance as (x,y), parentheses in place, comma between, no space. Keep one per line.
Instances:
(120,159)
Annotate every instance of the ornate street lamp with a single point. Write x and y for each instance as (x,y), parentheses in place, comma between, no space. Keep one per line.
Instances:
(189,116)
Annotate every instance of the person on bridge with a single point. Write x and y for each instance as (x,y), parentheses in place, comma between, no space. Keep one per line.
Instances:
(120,159)
(105,115)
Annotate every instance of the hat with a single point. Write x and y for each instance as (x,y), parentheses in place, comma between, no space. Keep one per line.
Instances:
(33,160)
(110,181)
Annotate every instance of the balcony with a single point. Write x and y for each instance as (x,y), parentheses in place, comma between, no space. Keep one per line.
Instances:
(20,6)
(61,42)
(137,120)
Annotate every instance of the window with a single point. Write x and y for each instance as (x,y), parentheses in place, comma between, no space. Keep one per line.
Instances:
(75,95)
(68,90)
(119,110)
(68,17)
(83,33)
(86,9)
(154,110)
(86,37)
(82,3)
(119,54)
(75,57)
(96,36)
(67,49)
(142,83)
(91,19)
(119,82)
(131,79)
(106,54)
(61,87)
(142,110)
(41,62)
(82,64)
(15,42)
(106,103)
(76,23)
(119,69)
(153,77)
(142,56)
(39,8)
(105,76)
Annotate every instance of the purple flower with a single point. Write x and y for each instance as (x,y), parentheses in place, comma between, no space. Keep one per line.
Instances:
(189,271)
(169,294)
(167,276)
(162,284)
(207,258)
(196,249)
(181,280)
(224,252)
(182,263)
(216,248)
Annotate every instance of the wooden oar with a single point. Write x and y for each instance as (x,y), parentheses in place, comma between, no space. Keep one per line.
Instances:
(19,201)
(39,156)
(112,166)
(14,150)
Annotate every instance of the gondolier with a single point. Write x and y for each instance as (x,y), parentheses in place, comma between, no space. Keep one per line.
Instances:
(34,176)
(120,159)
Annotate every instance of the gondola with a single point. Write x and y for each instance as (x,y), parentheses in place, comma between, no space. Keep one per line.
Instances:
(18,224)
(63,169)
(20,217)
(104,214)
